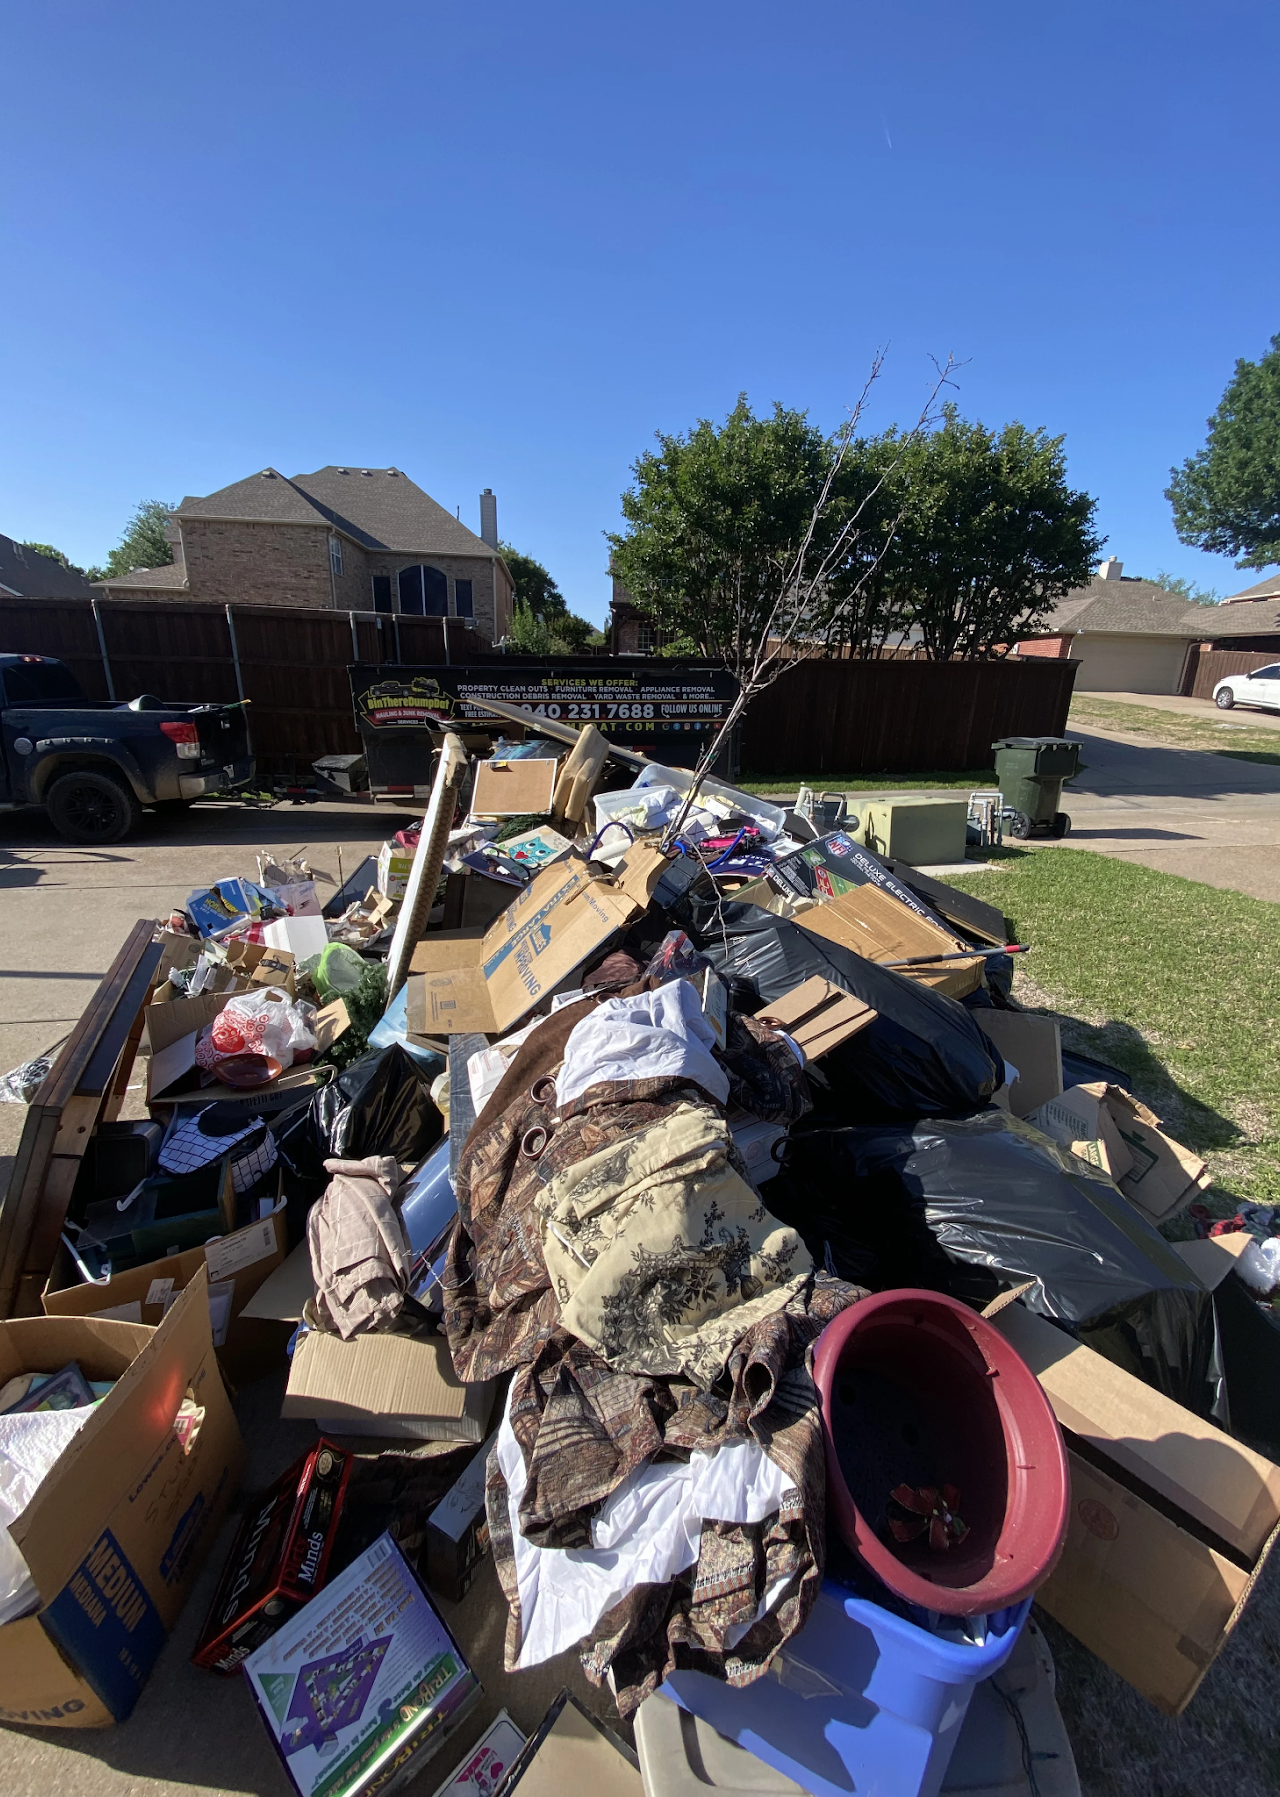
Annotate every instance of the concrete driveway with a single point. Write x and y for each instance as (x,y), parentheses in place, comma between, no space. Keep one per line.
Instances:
(67,910)
(1195,708)
(1207,817)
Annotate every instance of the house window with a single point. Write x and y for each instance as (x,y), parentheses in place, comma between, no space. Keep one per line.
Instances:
(644,639)
(335,555)
(409,581)
(382,593)
(436,589)
(463,603)
(424,592)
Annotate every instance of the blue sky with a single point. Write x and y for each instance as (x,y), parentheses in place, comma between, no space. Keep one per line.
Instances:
(503,245)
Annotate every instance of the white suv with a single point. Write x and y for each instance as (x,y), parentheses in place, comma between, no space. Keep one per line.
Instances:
(1261,687)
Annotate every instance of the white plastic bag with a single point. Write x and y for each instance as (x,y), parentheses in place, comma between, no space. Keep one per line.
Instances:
(265,1021)
(29,1446)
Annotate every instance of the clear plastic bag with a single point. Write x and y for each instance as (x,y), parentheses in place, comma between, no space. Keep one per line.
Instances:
(266,1022)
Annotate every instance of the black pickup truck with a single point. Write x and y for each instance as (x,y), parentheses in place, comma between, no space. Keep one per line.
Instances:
(94,763)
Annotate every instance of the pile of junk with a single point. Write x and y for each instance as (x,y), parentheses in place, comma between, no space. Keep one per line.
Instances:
(661,1223)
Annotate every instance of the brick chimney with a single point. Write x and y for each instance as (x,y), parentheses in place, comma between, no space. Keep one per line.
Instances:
(1111,569)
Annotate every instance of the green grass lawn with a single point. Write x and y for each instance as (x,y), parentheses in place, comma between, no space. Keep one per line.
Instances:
(1231,733)
(1175,982)
(786,785)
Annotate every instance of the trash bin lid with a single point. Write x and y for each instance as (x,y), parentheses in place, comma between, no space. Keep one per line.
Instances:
(1035,742)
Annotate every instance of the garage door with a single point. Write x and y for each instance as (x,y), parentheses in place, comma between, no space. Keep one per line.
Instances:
(1128,664)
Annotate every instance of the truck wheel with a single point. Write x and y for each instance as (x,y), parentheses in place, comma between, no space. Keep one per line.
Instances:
(88,806)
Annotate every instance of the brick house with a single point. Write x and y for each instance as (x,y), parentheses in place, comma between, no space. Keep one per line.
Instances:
(343,539)
(631,631)
(1129,635)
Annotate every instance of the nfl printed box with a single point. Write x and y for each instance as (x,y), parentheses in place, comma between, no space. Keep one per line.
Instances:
(115,1535)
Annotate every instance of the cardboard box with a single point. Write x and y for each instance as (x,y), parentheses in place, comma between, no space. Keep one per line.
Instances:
(1171,1520)
(361,1686)
(835,864)
(818,1015)
(480,1773)
(572,1752)
(116,1533)
(461,981)
(458,1530)
(395,864)
(262,965)
(172,1075)
(279,1559)
(514,788)
(246,1258)
(875,925)
(1033,1045)
(390,1386)
(1105,1126)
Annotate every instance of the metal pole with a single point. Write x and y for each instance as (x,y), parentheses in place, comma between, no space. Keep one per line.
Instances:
(355,640)
(235,662)
(396,620)
(102,646)
(446,639)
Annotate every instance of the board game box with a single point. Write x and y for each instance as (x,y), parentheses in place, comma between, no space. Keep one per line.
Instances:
(361,1686)
(279,1560)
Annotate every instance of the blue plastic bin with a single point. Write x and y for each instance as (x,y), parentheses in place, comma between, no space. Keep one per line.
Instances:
(860,1701)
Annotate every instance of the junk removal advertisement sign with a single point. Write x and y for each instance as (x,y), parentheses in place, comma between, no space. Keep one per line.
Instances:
(629,703)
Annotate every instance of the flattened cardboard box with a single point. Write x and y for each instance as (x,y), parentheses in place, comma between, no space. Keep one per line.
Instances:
(384,1385)
(1033,1045)
(876,926)
(571,1754)
(1107,1127)
(1170,1525)
(247,1257)
(462,981)
(117,1531)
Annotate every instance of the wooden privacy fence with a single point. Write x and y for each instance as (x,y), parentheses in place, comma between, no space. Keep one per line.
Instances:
(899,716)
(890,716)
(1206,667)
(289,661)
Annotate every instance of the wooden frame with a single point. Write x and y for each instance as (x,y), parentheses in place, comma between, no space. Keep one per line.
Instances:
(86,1086)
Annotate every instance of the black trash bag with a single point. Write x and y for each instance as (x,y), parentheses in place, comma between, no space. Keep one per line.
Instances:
(380,1104)
(924,1056)
(977,1205)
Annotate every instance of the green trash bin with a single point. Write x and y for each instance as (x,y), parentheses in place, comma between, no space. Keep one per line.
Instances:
(1030,771)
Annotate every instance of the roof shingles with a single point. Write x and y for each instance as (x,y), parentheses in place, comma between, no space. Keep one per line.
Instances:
(379,507)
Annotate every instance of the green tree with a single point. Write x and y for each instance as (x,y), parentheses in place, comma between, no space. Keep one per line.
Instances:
(1226,497)
(1187,589)
(538,593)
(143,545)
(988,534)
(534,635)
(715,518)
(55,555)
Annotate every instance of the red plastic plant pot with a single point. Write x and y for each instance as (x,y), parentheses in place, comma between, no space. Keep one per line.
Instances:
(991,1433)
